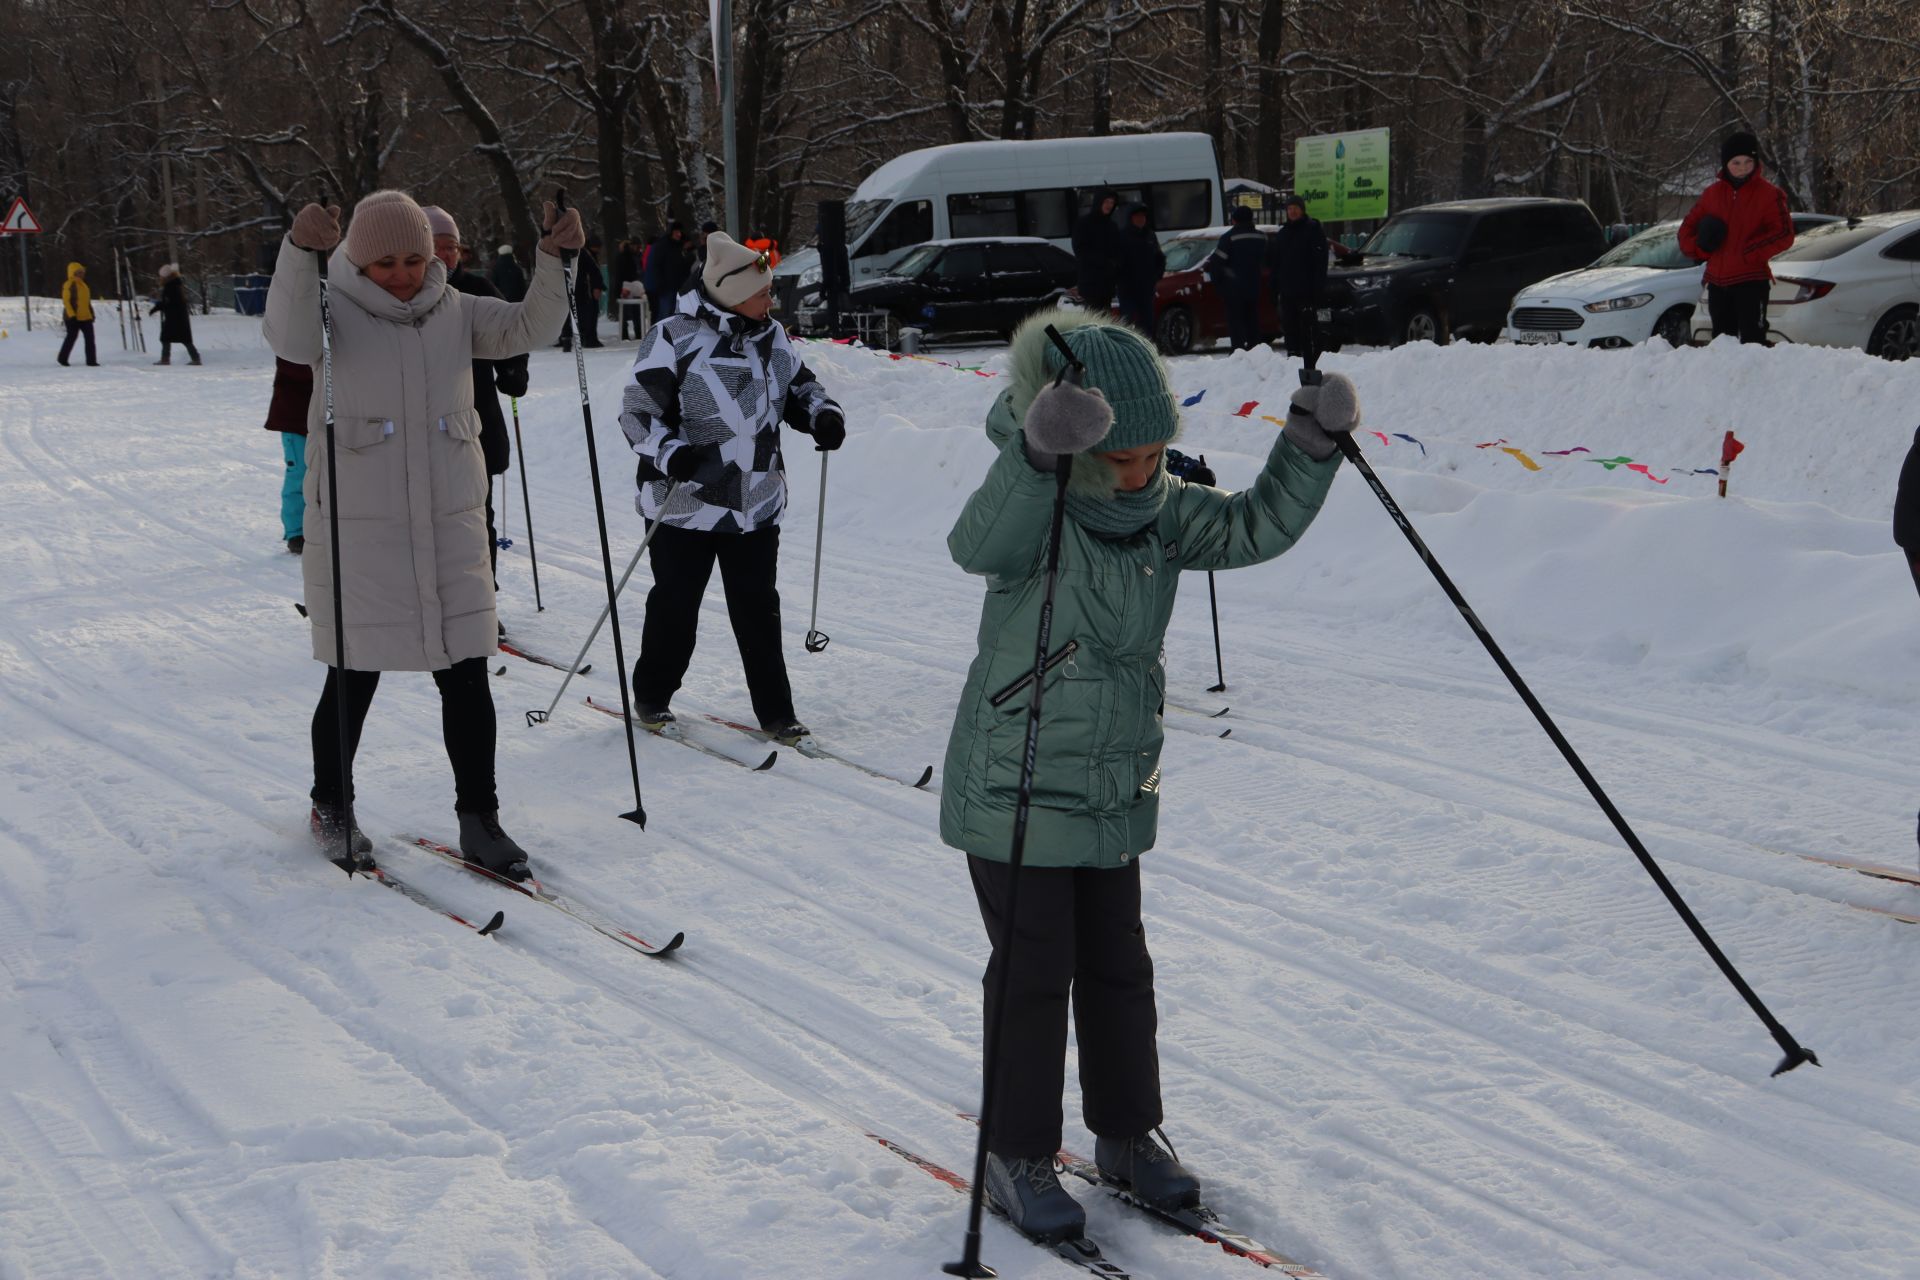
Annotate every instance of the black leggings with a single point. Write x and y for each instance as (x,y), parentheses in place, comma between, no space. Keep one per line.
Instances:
(466,722)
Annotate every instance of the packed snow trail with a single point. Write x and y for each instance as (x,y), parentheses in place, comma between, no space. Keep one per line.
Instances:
(1420,1013)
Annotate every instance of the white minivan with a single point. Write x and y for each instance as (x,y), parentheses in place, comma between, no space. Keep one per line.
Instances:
(1015,188)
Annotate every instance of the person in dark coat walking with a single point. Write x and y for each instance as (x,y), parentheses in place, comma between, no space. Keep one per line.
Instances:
(626,271)
(491,378)
(507,277)
(1141,265)
(1737,225)
(176,320)
(1239,262)
(666,271)
(589,286)
(1299,273)
(1096,253)
(287,414)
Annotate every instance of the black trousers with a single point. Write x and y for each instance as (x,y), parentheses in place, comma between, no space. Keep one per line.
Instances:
(1079,934)
(166,351)
(682,561)
(1297,323)
(1137,310)
(493,540)
(1739,309)
(1243,318)
(76,329)
(1097,298)
(466,722)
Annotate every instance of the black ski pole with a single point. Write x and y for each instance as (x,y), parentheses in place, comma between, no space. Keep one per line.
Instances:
(969,1264)
(638,815)
(1213,604)
(817,639)
(526,504)
(1795,1053)
(349,858)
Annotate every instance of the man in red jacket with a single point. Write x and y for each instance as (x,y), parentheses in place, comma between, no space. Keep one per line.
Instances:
(1736,226)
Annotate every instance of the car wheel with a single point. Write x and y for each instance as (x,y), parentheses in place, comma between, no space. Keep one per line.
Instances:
(1676,326)
(1422,325)
(1175,331)
(1897,336)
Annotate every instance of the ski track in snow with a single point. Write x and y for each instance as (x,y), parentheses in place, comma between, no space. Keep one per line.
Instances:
(1421,1012)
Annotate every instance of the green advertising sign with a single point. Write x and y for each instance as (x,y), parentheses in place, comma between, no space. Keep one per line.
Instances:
(1343,175)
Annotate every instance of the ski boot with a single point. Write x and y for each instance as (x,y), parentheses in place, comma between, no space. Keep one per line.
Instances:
(1028,1191)
(650,717)
(484,844)
(787,732)
(327,823)
(297,544)
(1145,1168)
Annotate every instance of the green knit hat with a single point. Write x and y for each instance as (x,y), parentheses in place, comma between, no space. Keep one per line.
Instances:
(1119,361)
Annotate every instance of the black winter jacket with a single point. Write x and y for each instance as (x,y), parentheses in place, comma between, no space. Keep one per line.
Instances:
(1300,260)
(1096,251)
(1906,509)
(491,380)
(1238,258)
(176,323)
(509,279)
(1142,262)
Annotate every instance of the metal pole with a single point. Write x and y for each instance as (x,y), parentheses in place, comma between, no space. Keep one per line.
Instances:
(26,294)
(730,147)
(526,503)
(817,639)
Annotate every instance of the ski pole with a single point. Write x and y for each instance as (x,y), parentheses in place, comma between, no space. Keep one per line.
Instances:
(1213,605)
(969,1264)
(120,310)
(817,639)
(541,717)
(1795,1053)
(526,504)
(638,816)
(349,857)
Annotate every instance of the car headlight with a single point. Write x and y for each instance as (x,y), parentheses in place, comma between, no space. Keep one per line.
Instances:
(1627,303)
(1363,283)
(809,278)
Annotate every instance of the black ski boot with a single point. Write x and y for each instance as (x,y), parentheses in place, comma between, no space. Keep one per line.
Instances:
(483,843)
(1028,1191)
(328,824)
(1145,1168)
(650,717)
(786,732)
(297,544)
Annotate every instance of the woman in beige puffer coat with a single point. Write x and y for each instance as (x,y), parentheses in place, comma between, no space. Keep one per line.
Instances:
(417,593)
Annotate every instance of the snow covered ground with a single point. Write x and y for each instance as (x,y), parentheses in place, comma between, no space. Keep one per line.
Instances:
(1422,1014)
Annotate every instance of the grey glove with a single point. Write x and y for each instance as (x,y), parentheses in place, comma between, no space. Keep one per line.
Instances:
(1065,418)
(316,228)
(1319,413)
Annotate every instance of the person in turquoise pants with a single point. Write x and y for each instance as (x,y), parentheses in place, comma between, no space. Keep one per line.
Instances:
(287,414)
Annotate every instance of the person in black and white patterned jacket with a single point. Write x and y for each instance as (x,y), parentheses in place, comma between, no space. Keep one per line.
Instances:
(711,385)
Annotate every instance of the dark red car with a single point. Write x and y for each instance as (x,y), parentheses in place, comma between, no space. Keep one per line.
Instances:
(1189,310)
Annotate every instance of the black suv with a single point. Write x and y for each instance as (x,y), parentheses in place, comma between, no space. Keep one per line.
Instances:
(975,285)
(1451,270)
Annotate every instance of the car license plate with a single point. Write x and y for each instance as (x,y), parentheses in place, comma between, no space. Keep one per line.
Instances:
(1323,314)
(1535,335)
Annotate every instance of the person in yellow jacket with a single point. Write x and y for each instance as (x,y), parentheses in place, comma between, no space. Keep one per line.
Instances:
(78,301)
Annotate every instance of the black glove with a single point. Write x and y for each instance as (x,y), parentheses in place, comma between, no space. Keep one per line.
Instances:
(829,429)
(1202,474)
(1709,233)
(683,462)
(1192,470)
(510,377)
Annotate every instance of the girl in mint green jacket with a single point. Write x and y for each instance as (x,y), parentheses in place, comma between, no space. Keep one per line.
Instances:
(1131,530)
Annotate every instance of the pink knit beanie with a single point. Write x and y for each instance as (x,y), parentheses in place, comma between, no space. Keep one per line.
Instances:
(387,223)
(440,222)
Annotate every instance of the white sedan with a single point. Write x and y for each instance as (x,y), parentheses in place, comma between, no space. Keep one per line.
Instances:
(1640,288)
(1851,284)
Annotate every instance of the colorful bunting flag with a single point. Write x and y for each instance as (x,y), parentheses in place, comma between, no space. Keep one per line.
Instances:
(1246,409)
(1193,399)
(1523,459)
